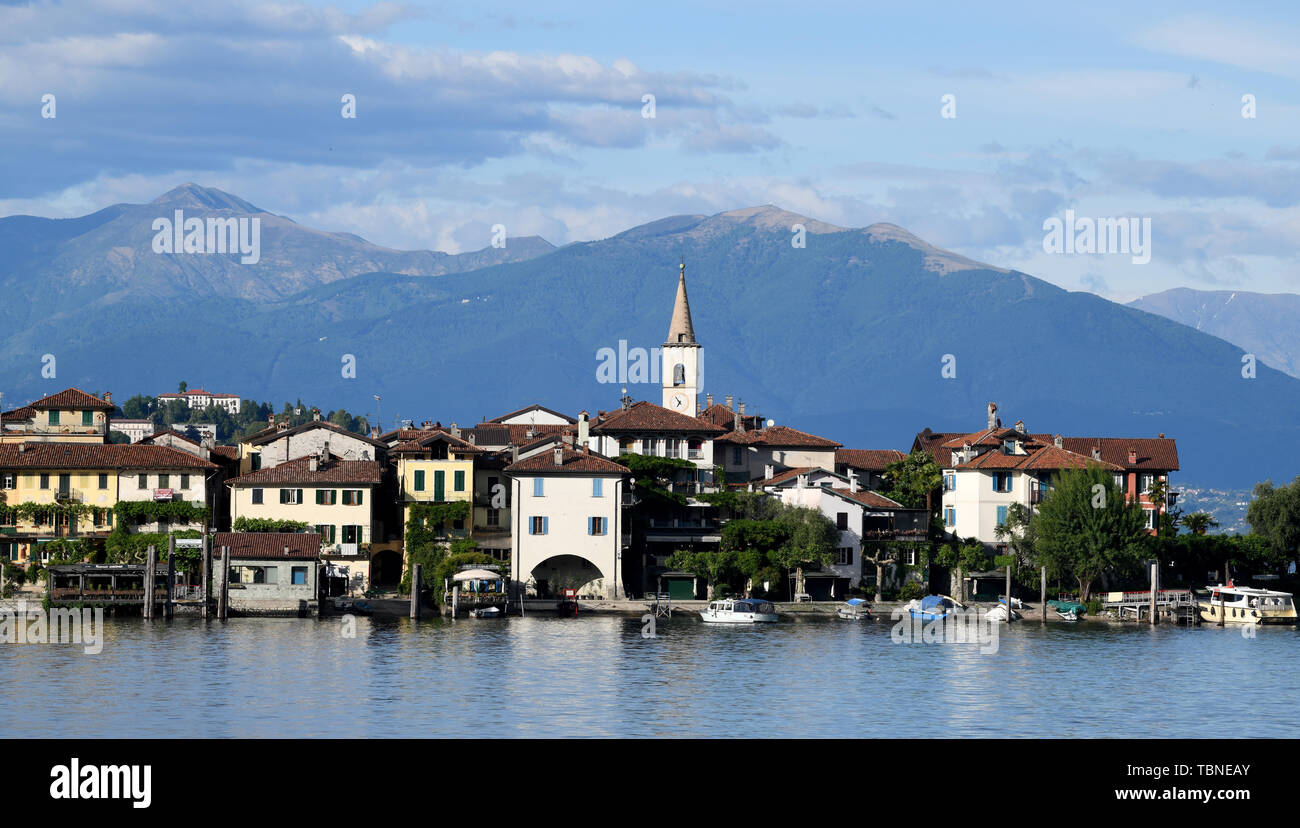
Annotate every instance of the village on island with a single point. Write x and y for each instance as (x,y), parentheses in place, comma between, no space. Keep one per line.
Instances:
(694,502)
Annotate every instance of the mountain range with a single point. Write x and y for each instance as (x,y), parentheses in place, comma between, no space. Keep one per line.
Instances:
(1264,324)
(846,337)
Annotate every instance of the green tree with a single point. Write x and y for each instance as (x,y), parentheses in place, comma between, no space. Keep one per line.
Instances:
(811,538)
(913,481)
(715,566)
(963,556)
(1274,514)
(1199,523)
(1085,528)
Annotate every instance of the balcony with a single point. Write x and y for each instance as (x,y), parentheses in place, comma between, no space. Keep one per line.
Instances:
(66,495)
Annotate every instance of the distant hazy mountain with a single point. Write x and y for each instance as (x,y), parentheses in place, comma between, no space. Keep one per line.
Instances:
(1264,324)
(844,337)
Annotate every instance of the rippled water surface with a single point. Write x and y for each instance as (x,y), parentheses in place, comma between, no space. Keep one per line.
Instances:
(598,676)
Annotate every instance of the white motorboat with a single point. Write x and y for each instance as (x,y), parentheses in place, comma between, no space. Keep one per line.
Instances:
(487,612)
(999,613)
(1247,605)
(1068,615)
(739,611)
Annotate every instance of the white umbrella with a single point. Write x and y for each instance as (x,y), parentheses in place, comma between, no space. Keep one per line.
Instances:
(477,575)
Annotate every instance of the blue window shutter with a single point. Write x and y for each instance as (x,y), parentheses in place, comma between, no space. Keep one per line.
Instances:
(1002,515)
(591,528)
(545,524)
(597,487)
(537,487)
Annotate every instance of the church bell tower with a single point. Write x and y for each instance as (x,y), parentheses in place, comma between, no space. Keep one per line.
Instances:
(680,370)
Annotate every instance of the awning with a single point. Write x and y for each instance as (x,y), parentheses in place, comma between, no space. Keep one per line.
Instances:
(477,575)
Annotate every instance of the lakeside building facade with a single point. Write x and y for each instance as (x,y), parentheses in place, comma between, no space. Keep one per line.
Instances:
(198,398)
(70,416)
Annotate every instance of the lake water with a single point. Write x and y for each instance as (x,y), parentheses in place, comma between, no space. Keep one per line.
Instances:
(598,676)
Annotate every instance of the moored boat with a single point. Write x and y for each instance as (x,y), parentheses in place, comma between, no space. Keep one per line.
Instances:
(739,611)
(999,613)
(486,612)
(854,609)
(933,607)
(1247,605)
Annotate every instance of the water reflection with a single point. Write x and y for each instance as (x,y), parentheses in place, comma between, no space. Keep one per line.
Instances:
(597,676)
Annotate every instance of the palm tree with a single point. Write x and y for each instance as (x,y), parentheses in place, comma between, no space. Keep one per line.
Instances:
(1198,523)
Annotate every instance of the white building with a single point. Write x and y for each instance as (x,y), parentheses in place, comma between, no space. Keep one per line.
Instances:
(198,398)
(568,530)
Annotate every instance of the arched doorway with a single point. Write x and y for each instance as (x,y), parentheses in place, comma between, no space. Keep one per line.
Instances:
(560,572)
(385,569)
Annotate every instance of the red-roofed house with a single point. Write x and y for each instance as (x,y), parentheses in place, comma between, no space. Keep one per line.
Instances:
(69,416)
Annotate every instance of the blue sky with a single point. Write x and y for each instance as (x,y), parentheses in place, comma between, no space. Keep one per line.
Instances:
(529,115)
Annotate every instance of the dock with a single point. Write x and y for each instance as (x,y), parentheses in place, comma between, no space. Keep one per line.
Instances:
(1176,605)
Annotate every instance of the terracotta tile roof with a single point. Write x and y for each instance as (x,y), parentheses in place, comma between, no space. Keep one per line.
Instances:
(15,414)
(268,545)
(97,456)
(782,436)
(645,416)
(573,462)
(868,459)
(427,437)
(229,452)
(724,417)
(356,472)
(490,434)
(269,435)
(786,475)
(526,409)
(1153,453)
(868,498)
(519,432)
(1047,457)
(72,398)
(166,431)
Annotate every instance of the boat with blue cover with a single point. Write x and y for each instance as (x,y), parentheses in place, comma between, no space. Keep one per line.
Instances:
(933,607)
(854,609)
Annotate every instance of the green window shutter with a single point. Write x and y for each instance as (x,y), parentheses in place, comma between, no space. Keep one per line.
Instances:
(334,496)
(361,497)
(300,495)
(320,497)
(439,485)
(459,481)
(54,418)
(419,480)
(284,495)
(88,418)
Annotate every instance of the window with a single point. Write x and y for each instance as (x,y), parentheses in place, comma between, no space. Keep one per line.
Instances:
(670,447)
(737,455)
(142,481)
(458,481)
(164,481)
(10,481)
(626,445)
(257,496)
(185,481)
(1151,518)
(352,534)
(949,516)
(353,497)
(1144,482)
(537,526)
(255,461)
(693,449)
(291,495)
(842,520)
(326,532)
(439,485)
(326,497)
(679,374)
(45,480)
(844,556)
(494,517)
(1001,481)
(54,418)
(1120,483)
(910,557)
(299,575)
(595,526)
(419,480)
(1002,516)
(539,488)
(1008,446)
(597,487)
(950,482)
(88,418)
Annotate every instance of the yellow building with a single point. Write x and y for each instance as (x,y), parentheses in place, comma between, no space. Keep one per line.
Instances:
(436,466)
(57,490)
(70,416)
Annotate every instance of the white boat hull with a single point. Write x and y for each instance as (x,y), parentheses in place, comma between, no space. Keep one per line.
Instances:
(737,617)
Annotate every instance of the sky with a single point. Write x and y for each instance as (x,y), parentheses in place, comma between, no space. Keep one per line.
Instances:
(532,116)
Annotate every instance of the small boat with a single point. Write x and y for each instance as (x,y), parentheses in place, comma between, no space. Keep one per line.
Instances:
(933,607)
(1067,608)
(999,613)
(1247,605)
(854,609)
(486,612)
(739,611)
(350,606)
(1016,603)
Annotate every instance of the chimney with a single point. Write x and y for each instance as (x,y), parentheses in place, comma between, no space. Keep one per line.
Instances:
(286,551)
(768,471)
(108,397)
(1161,435)
(22,448)
(473,438)
(584,426)
(708,400)
(315,415)
(736,424)
(270,420)
(729,399)
(801,481)
(853,482)
(1096,452)
(993,414)
(1132,455)
(313,463)
(1020,426)
(559,456)
(567,439)
(1059,442)
(325,452)
(742,409)
(426,425)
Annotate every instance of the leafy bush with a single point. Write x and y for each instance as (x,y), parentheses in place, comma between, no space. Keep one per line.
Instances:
(911,590)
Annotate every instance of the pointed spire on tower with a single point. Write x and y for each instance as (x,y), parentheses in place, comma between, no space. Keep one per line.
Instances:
(681,331)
